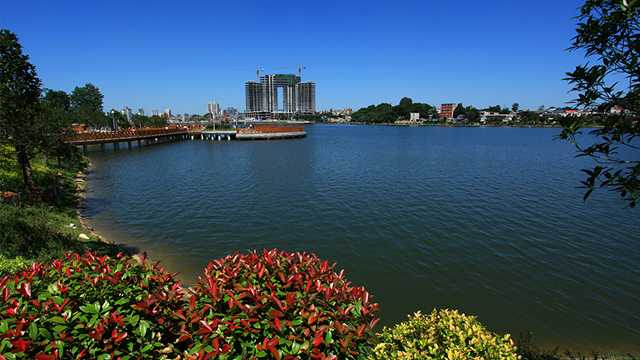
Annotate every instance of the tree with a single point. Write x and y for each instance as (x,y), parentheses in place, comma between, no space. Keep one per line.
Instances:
(609,31)
(57,99)
(86,104)
(405,101)
(493,109)
(20,90)
(515,107)
(472,114)
(88,96)
(459,110)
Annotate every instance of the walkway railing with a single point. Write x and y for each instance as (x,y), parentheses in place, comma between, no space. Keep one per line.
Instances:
(126,135)
(269,129)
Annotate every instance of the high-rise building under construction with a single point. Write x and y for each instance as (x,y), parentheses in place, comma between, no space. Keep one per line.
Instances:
(280,94)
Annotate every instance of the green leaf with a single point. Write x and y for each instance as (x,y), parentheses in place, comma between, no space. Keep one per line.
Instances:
(143,327)
(33,331)
(46,334)
(328,339)
(57,319)
(89,309)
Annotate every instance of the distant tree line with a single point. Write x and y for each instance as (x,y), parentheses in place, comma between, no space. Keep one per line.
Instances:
(386,113)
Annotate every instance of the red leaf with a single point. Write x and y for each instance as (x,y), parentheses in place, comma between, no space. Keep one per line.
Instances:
(274,351)
(273,342)
(317,340)
(5,293)
(45,357)
(276,313)
(25,289)
(122,336)
(192,302)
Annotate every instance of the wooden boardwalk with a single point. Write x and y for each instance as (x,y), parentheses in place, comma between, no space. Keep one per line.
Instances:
(158,135)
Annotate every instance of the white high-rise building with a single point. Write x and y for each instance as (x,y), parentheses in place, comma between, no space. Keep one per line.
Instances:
(168,113)
(213,108)
(154,112)
(127,112)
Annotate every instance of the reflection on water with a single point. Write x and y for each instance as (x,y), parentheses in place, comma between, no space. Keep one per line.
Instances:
(484,220)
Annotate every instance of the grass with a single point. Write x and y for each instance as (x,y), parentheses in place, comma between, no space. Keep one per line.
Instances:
(38,230)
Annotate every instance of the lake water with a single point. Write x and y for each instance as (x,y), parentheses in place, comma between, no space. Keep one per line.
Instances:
(484,220)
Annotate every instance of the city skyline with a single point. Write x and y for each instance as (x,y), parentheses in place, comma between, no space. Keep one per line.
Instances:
(477,53)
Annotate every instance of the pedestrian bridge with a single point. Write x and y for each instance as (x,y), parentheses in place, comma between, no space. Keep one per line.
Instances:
(150,136)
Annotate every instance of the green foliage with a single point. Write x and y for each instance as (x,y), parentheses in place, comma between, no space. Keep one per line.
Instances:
(498,109)
(530,117)
(385,113)
(515,107)
(11,265)
(91,307)
(86,107)
(459,110)
(20,109)
(57,99)
(609,31)
(472,114)
(282,306)
(87,97)
(10,172)
(443,334)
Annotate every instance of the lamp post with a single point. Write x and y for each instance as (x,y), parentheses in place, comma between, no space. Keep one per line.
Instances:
(113,119)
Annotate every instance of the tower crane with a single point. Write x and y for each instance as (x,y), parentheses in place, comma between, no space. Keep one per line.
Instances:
(257,69)
(298,67)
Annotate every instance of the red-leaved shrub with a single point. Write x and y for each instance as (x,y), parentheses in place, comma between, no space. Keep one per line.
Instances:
(282,306)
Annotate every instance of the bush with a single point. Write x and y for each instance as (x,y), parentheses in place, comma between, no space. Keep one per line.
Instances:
(282,306)
(443,334)
(90,307)
(273,305)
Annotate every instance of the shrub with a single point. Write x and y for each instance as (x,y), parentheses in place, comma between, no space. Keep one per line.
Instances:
(91,307)
(279,305)
(443,334)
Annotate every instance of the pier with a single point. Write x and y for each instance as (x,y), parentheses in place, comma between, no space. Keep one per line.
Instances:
(150,136)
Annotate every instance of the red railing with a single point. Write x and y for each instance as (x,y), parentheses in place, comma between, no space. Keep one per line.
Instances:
(269,129)
(126,134)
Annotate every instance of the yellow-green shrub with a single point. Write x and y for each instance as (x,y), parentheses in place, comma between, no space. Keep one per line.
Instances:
(443,334)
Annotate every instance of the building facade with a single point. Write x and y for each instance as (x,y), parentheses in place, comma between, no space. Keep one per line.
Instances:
(280,94)
(213,108)
(127,112)
(446,110)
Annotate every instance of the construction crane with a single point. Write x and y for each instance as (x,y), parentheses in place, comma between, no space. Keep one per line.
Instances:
(257,69)
(298,67)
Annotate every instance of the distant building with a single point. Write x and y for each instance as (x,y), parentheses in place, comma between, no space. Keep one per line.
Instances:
(262,98)
(154,112)
(168,113)
(414,117)
(232,111)
(213,108)
(345,112)
(446,110)
(127,112)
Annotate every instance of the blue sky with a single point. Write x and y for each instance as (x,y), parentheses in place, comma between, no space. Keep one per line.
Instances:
(177,55)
